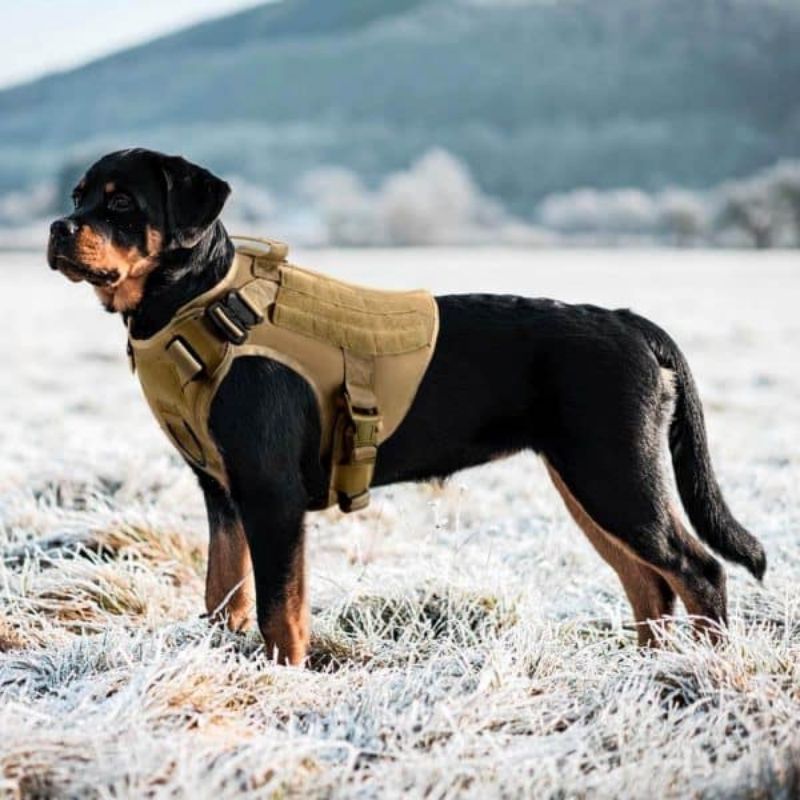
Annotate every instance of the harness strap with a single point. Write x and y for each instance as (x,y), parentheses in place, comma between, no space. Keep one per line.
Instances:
(355,437)
(230,319)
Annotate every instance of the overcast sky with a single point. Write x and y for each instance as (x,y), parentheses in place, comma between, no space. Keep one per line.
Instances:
(39,36)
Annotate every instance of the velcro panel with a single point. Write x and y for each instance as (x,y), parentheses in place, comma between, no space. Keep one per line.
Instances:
(364,321)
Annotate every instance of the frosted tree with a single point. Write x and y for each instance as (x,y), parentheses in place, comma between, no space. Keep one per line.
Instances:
(345,206)
(764,208)
(592,211)
(435,201)
(786,190)
(684,216)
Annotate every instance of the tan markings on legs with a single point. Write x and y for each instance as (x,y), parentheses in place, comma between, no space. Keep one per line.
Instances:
(230,592)
(700,582)
(650,596)
(286,629)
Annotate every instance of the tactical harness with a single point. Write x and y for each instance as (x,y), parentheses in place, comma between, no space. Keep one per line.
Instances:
(364,353)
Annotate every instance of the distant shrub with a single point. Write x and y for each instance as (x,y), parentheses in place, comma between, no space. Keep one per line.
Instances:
(684,216)
(342,204)
(763,210)
(614,211)
(434,201)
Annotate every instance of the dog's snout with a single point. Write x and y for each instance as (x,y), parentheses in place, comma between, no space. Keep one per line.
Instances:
(63,228)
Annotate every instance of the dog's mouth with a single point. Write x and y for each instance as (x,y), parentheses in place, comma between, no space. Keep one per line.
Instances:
(78,272)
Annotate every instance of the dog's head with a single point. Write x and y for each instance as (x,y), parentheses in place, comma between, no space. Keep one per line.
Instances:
(131,208)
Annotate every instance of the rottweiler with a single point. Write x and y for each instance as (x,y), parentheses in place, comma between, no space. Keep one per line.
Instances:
(599,394)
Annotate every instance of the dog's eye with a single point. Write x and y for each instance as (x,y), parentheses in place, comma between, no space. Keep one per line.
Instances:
(120,202)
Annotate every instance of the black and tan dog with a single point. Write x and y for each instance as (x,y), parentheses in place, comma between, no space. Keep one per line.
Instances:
(595,392)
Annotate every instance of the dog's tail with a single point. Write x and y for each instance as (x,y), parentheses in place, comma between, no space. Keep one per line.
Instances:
(697,485)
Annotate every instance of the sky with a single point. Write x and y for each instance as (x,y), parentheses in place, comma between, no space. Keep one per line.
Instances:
(40,36)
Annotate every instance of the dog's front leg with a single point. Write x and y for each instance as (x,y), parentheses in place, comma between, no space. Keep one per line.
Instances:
(273,523)
(229,578)
(285,621)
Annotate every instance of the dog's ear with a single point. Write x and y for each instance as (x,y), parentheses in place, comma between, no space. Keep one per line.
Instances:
(195,198)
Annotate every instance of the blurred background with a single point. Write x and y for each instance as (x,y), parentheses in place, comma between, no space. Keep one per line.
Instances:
(422,122)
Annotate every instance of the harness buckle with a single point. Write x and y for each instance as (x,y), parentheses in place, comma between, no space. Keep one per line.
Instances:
(232,316)
(356,453)
(365,425)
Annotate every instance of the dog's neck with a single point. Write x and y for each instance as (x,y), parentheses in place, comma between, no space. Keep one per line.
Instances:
(181,275)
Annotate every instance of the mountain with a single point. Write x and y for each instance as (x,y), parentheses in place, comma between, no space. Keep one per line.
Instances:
(534,96)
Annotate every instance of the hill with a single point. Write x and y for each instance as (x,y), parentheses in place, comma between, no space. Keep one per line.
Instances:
(534,96)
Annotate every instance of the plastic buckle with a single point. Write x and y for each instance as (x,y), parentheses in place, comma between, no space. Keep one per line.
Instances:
(359,452)
(232,316)
(366,424)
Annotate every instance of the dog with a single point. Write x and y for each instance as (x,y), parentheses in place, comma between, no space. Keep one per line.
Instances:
(596,393)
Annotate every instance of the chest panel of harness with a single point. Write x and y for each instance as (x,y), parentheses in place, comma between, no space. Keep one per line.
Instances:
(363,351)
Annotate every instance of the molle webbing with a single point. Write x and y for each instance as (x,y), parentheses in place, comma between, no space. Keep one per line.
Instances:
(361,321)
(364,352)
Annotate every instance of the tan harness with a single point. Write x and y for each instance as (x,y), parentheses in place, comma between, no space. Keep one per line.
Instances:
(363,351)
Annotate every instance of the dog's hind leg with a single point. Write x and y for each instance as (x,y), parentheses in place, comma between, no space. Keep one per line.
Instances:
(650,595)
(627,516)
(702,586)
(608,448)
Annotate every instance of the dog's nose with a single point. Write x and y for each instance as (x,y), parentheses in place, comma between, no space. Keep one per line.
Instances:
(63,228)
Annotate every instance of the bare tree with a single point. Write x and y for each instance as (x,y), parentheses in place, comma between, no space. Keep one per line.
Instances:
(747,207)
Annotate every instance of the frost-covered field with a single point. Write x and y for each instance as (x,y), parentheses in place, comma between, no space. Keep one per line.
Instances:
(466,640)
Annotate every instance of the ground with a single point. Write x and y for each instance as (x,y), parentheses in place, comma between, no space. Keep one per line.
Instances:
(466,639)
